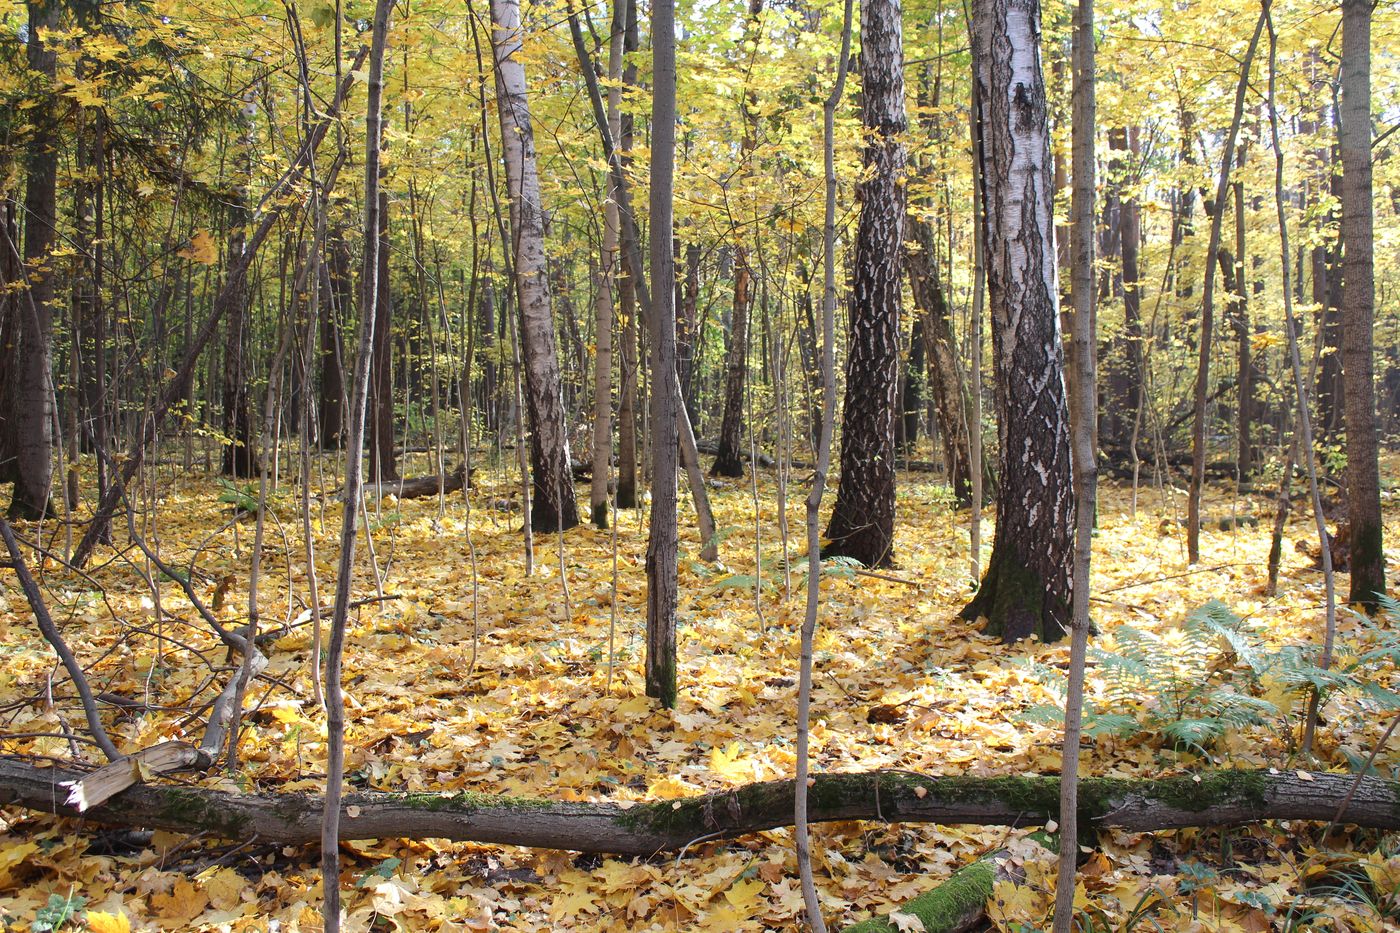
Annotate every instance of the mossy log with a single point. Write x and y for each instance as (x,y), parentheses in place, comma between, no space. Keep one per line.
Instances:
(1212,798)
(955,906)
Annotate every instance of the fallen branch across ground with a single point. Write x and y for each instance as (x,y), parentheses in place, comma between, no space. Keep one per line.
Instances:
(1212,798)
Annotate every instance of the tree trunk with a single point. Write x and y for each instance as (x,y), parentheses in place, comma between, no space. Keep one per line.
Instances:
(553,504)
(383,464)
(11,287)
(945,378)
(1239,316)
(31,397)
(240,456)
(603,302)
(1327,294)
(686,334)
(911,387)
(627,300)
(662,537)
(862,520)
(340,297)
(1202,387)
(1083,409)
(1209,798)
(1027,586)
(1359,308)
(729,460)
(331,812)
(1124,364)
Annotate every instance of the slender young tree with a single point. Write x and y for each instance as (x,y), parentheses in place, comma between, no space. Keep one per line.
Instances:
(1217,216)
(1026,589)
(862,520)
(1083,407)
(663,541)
(553,506)
(827,367)
(628,363)
(354,477)
(603,302)
(1359,309)
(1303,440)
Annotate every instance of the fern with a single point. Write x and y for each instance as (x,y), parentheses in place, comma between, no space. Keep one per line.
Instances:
(1180,684)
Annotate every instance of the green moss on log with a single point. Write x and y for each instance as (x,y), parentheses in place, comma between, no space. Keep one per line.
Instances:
(950,906)
(188,806)
(467,801)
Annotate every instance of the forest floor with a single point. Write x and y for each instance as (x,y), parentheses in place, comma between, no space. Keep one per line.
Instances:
(901,683)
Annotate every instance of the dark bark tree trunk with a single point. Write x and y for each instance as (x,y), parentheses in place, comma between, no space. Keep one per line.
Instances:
(1239,318)
(30,418)
(554,506)
(1327,294)
(340,297)
(662,537)
(911,388)
(1359,308)
(1027,587)
(862,520)
(687,335)
(729,459)
(1124,363)
(11,287)
(240,457)
(488,389)
(628,323)
(383,465)
(945,378)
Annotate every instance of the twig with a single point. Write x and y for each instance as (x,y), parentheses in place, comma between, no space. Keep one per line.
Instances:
(888,577)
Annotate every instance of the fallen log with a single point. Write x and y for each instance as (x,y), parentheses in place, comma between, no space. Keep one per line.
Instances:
(711,448)
(1212,798)
(416,487)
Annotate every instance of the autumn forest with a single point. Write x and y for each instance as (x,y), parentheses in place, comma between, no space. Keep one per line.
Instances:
(864,465)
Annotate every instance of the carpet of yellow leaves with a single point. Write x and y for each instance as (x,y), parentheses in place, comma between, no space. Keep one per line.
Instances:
(901,683)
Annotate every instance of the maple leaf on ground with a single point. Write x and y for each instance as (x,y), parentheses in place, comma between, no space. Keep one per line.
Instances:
(100,922)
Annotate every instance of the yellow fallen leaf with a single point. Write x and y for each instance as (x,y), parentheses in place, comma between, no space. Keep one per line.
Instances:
(100,922)
(727,764)
(745,895)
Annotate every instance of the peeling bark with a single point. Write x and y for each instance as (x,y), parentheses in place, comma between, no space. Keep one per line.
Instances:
(553,505)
